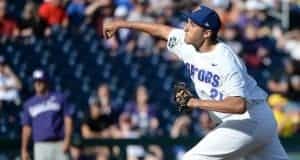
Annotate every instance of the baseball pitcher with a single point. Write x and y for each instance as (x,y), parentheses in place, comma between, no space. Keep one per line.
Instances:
(247,127)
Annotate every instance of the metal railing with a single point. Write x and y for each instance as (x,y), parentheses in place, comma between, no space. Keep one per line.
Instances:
(292,145)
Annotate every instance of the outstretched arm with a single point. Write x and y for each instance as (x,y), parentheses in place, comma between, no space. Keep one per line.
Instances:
(157,30)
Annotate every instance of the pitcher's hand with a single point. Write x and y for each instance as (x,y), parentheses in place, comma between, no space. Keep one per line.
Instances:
(110,28)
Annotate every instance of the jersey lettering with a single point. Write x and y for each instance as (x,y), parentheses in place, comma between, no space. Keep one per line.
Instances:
(216,80)
(203,75)
(193,70)
(215,94)
(208,77)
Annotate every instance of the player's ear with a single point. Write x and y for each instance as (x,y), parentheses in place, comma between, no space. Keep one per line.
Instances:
(207,33)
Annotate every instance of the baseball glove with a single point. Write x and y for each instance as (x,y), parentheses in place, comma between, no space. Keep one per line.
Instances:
(181,96)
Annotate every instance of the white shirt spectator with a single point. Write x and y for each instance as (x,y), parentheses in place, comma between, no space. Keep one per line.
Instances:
(9,83)
(8,91)
(293,47)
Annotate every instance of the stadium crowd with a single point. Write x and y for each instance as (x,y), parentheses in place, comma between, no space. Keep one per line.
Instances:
(122,87)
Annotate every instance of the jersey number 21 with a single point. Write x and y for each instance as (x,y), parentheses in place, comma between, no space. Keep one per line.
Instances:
(215,94)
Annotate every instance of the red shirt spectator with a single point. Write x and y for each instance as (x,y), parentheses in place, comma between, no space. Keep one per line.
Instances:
(52,13)
(7,27)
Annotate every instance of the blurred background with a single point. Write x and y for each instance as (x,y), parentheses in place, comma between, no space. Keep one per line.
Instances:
(121,88)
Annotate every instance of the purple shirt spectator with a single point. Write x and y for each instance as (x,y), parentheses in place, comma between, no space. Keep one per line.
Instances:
(132,109)
(141,119)
(44,115)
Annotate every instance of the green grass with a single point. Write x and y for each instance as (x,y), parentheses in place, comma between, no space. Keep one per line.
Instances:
(294,156)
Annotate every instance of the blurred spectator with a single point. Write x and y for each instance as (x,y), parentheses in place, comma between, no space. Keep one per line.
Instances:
(8,27)
(278,83)
(48,118)
(287,122)
(186,4)
(75,11)
(154,153)
(126,127)
(256,50)
(228,11)
(140,11)
(181,127)
(157,6)
(144,43)
(160,48)
(103,95)
(29,22)
(290,42)
(287,82)
(53,13)
(96,11)
(205,124)
(253,9)
(294,88)
(121,12)
(292,69)
(123,36)
(143,114)
(97,124)
(76,153)
(10,85)
(231,36)
(127,3)
(128,130)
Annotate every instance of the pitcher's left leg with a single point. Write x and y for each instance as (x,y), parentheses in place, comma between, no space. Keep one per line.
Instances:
(271,151)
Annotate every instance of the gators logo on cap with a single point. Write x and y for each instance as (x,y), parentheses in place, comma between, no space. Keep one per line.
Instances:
(206,24)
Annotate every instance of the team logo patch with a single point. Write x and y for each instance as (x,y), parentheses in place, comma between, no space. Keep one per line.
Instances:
(172,42)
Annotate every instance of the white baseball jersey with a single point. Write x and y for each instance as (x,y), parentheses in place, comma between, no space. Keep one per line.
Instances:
(217,74)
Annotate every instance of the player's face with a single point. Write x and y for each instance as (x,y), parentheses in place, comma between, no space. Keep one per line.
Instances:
(194,34)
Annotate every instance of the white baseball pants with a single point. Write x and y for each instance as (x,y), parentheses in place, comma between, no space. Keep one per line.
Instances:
(251,138)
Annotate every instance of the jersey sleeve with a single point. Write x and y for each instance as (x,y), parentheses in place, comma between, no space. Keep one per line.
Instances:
(235,84)
(177,45)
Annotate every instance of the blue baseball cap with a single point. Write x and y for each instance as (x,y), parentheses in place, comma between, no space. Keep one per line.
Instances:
(205,17)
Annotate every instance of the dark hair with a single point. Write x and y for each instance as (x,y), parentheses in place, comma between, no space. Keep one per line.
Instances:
(214,36)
